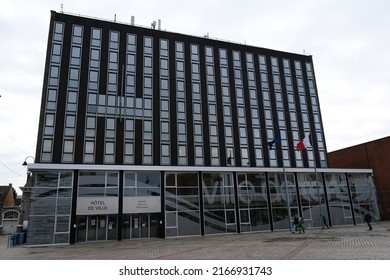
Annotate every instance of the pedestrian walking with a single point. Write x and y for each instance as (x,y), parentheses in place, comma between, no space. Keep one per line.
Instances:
(324,222)
(296,223)
(301,227)
(367,219)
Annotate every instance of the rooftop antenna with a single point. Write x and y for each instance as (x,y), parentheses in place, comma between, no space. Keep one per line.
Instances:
(114,17)
(62,8)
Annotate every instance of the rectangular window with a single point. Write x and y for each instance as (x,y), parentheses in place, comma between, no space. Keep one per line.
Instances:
(70,125)
(164,44)
(74,77)
(96,37)
(109,152)
(68,146)
(93,80)
(147,130)
(165,150)
(47,143)
(77,34)
(58,31)
(75,55)
(164,127)
(180,66)
(147,149)
(164,64)
(68,151)
(113,60)
(114,40)
(89,147)
(49,124)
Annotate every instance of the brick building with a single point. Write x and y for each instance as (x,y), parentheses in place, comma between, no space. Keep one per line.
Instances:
(374,155)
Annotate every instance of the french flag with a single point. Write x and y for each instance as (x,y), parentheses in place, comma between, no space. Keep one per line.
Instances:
(304,143)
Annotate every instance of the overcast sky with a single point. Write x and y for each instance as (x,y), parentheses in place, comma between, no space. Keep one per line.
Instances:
(348,39)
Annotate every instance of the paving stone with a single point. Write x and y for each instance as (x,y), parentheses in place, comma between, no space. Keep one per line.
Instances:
(337,243)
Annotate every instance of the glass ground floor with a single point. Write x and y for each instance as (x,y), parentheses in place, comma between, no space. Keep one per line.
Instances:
(105,227)
(71,204)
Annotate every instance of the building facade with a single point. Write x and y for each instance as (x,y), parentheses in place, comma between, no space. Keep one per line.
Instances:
(374,155)
(9,210)
(146,133)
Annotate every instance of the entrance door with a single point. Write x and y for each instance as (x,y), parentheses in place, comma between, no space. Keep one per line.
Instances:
(154,224)
(102,228)
(92,225)
(135,225)
(144,219)
(9,227)
(139,226)
(97,228)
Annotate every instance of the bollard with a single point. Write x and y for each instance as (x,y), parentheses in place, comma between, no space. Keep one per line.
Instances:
(14,240)
(21,238)
(9,243)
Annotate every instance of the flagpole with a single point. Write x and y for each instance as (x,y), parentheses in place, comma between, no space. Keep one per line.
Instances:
(278,141)
(319,197)
(303,144)
(318,190)
(287,199)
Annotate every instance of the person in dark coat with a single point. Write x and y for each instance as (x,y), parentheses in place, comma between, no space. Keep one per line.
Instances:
(367,219)
(296,223)
(324,222)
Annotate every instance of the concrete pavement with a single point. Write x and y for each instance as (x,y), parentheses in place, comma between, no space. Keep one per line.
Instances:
(337,243)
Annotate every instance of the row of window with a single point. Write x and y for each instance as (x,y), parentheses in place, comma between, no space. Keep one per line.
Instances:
(129,107)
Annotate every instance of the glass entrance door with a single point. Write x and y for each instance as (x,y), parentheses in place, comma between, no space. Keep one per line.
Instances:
(102,228)
(96,227)
(139,226)
(135,222)
(92,225)
(144,226)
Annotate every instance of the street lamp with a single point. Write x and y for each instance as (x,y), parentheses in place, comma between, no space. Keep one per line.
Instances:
(25,160)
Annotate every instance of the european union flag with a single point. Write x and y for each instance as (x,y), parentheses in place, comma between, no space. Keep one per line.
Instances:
(276,141)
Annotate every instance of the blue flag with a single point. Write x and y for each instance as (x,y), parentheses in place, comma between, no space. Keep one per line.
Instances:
(276,141)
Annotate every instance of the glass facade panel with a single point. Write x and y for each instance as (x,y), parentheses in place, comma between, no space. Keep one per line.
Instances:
(338,199)
(281,197)
(142,184)
(311,189)
(253,202)
(184,206)
(50,208)
(218,203)
(97,184)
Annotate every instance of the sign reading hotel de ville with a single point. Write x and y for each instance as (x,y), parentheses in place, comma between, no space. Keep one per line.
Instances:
(97,205)
(109,205)
(142,204)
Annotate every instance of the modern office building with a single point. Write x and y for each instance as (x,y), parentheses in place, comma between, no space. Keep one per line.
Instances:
(145,133)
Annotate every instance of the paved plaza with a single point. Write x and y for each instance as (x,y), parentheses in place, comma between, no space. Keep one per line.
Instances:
(337,243)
